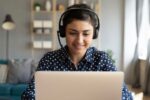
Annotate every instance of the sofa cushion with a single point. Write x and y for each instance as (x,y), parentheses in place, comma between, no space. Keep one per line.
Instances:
(3,73)
(3,62)
(5,89)
(5,98)
(10,97)
(19,71)
(18,89)
(15,98)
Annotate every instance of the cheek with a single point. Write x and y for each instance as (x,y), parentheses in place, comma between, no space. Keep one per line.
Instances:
(89,39)
(69,40)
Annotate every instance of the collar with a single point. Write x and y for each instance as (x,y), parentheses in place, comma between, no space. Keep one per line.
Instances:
(88,55)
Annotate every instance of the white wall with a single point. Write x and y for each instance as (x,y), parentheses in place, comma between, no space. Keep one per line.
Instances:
(111,31)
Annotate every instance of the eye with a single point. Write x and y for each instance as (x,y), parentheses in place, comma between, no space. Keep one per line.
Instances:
(86,33)
(72,33)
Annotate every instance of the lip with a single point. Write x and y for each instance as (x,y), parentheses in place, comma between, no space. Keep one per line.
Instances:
(77,46)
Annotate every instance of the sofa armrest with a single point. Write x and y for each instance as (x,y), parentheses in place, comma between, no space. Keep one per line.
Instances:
(17,89)
(5,89)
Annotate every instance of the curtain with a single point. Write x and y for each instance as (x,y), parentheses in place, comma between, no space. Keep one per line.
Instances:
(135,61)
(143,44)
(147,78)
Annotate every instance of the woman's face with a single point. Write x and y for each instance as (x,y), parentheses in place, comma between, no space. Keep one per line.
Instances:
(79,35)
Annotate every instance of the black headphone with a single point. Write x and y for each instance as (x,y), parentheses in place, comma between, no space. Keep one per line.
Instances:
(61,30)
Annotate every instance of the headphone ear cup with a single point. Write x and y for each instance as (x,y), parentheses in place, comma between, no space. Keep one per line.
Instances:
(62,31)
(95,33)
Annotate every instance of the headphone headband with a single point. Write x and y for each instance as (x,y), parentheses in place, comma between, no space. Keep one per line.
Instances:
(74,9)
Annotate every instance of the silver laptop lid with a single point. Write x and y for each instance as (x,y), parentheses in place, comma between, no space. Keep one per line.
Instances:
(78,85)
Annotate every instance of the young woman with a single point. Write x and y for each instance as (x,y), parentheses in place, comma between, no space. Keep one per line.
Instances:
(79,25)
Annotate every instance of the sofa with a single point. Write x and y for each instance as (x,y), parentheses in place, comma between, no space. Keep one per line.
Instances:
(11,91)
(14,77)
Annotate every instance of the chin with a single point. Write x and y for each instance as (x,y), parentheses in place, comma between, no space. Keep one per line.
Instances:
(79,51)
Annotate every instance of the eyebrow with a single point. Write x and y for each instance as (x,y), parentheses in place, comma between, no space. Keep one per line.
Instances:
(78,31)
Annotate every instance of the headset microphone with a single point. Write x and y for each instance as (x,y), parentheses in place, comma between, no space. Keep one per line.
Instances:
(59,39)
(60,43)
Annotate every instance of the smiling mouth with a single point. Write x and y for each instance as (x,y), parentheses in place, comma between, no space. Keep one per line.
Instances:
(79,46)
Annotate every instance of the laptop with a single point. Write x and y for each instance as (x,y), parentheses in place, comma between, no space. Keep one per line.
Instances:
(51,85)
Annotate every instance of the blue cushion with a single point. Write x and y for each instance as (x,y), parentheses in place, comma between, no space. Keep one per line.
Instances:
(18,89)
(5,89)
(3,61)
(10,97)
(5,98)
(15,97)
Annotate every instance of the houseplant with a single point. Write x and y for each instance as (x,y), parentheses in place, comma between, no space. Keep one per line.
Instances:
(110,55)
(37,6)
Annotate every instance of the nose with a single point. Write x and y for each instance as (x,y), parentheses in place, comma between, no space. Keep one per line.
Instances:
(80,39)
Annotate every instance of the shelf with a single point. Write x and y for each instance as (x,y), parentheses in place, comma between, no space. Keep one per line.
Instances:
(41,33)
(42,11)
(42,44)
(42,25)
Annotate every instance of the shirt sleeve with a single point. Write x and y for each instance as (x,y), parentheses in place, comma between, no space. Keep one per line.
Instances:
(109,66)
(106,63)
(126,94)
(29,93)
